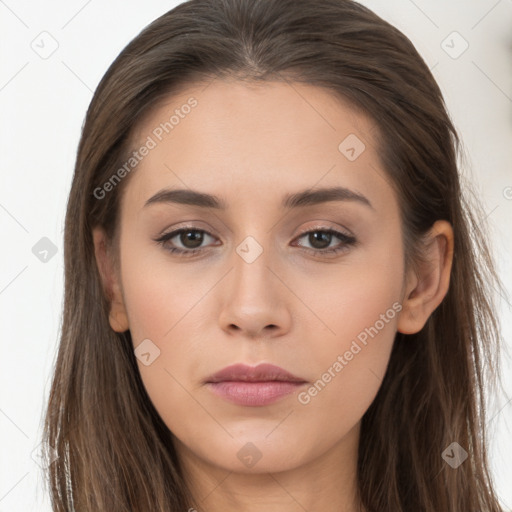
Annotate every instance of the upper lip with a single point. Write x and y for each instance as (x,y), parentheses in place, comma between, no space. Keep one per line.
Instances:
(261,373)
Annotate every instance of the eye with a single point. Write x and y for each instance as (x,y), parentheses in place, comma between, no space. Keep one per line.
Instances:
(190,238)
(321,238)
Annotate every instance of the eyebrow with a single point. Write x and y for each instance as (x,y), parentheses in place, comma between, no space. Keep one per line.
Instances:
(297,200)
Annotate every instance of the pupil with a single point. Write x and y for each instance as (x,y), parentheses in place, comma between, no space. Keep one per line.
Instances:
(195,237)
(318,236)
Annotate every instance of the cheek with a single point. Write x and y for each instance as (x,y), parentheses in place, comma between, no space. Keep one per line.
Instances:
(158,295)
(346,369)
(359,304)
(163,303)
(160,305)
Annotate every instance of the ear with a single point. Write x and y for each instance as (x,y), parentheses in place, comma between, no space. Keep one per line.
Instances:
(427,285)
(118,317)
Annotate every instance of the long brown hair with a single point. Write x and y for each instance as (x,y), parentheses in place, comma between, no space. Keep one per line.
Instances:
(113,451)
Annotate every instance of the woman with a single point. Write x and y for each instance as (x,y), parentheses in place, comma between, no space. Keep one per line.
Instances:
(273,300)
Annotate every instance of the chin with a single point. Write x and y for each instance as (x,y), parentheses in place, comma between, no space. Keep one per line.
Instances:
(251,453)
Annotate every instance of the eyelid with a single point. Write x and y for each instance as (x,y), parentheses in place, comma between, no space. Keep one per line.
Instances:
(346,240)
(191,225)
(343,231)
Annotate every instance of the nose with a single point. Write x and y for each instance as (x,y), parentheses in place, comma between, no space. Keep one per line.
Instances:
(254,300)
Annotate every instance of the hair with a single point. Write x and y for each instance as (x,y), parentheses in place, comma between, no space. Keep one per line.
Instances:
(113,451)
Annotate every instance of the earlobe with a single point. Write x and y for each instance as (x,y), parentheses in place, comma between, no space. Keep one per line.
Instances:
(428,286)
(118,318)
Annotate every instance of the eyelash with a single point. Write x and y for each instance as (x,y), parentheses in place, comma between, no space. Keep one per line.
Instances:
(347,241)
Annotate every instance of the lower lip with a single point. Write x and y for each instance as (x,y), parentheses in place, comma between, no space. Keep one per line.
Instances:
(253,393)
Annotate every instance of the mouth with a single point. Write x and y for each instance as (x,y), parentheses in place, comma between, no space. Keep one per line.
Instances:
(253,386)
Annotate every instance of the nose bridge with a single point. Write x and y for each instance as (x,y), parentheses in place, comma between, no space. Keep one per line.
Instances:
(252,278)
(252,300)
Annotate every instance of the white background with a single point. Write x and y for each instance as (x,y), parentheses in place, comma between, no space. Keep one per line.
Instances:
(43,103)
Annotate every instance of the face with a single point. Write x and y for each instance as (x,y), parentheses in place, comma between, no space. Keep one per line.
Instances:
(280,271)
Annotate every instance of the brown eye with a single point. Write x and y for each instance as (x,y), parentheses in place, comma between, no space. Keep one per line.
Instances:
(187,241)
(321,239)
(191,241)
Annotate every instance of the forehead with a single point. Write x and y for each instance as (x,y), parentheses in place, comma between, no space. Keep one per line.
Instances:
(244,139)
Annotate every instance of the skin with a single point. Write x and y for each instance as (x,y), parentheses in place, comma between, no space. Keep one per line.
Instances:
(250,145)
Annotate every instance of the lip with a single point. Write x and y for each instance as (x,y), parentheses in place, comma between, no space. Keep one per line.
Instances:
(253,385)
(263,372)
